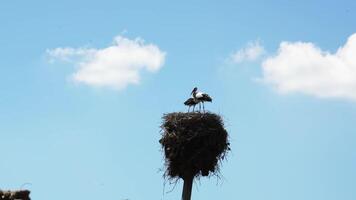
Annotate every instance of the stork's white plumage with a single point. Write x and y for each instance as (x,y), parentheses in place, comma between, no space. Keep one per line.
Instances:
(200,97)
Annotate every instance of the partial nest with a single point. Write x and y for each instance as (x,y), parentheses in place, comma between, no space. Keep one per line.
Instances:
(15,195)
(193,143)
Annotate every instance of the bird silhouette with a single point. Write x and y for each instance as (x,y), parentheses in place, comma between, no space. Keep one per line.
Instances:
(191,102)
(200,97)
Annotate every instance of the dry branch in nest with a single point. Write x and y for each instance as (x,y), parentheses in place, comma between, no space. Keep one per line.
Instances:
(15,195)
(193,144)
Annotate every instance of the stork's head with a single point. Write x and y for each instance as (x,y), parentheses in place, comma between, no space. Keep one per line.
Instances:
(194,90)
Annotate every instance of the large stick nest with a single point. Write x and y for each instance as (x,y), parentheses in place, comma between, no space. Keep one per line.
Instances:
(15,195)
(193,144)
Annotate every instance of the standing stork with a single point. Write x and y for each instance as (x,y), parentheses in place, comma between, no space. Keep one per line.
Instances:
(200,97)
(191,102)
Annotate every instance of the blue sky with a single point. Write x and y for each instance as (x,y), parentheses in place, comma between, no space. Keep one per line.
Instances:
(292,133)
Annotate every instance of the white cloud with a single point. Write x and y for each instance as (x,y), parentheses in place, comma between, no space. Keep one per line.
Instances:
(115,66)
(251,52)
(305,68)
(69,54)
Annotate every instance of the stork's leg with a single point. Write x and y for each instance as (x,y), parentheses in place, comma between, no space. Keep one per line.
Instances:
(188,108)
(200,106)
(203,106)
(193,108)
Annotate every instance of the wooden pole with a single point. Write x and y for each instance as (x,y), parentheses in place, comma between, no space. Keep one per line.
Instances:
(187,188)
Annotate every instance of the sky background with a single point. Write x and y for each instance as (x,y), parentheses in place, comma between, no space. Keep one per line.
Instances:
(71,140)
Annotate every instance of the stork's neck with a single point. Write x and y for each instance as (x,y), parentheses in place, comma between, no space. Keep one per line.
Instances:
(194,94)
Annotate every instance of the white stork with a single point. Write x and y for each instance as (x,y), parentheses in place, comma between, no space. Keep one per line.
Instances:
(191,102)
(200,97)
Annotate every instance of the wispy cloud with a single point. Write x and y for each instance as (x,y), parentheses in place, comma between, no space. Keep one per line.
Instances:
(115,66)
(251,52)
(305,68)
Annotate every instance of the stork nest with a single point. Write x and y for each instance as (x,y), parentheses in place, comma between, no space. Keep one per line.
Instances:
(15,195)
(193,144)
